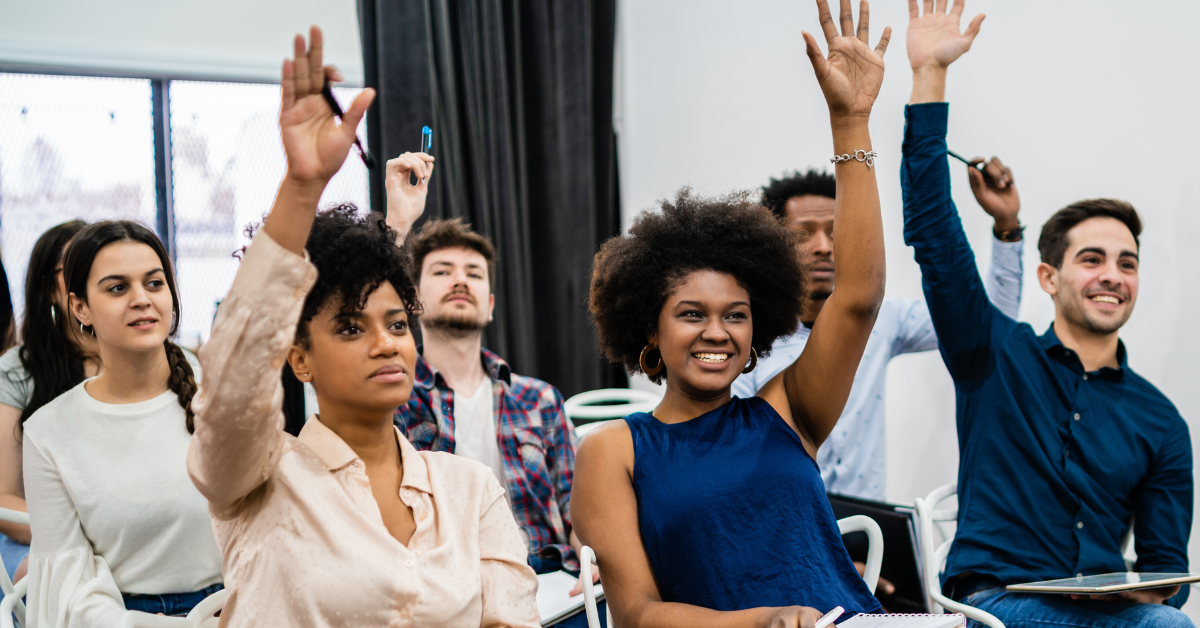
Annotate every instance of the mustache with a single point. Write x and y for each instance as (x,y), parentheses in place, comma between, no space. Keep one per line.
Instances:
(456,292)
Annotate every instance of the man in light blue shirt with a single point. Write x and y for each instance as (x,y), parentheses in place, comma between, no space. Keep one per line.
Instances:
(853,459)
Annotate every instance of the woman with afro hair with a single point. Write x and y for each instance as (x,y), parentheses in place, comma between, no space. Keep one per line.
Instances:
(347,524)
(711,511)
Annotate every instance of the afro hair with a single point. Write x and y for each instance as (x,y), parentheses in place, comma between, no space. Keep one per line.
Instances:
(811,182)
(354,255)
(634,274)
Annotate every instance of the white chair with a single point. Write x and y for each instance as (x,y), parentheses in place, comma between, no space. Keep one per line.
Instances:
(13,594)
(933,557)
(596,406)
(857,523)
(202,616)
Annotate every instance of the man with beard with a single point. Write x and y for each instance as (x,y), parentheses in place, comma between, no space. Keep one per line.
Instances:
(467,401)
(1061,444)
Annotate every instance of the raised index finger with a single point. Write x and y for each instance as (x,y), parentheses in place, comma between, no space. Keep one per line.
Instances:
(827,26)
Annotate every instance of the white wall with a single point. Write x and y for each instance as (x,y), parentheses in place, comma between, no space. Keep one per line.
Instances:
(1083,99)
(227,39)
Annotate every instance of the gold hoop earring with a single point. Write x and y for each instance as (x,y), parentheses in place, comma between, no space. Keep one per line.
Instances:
(650,372)
(753,361)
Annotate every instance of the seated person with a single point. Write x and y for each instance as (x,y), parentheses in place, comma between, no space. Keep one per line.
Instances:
(466,400)
(710,511)
(117,523)
(853,459)
(346,524)
(1062,444)
(55,358)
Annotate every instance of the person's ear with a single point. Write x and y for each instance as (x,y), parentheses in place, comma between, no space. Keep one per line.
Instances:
(491,306)
(80,310)
(1048,277)
(298,359)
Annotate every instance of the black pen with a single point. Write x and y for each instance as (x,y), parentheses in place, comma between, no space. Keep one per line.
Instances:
(327,92)
(978,166)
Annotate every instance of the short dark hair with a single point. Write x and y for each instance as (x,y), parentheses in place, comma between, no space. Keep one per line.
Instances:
(633,274)
(444,234)
(811,182)
(1053,242)
(354,255)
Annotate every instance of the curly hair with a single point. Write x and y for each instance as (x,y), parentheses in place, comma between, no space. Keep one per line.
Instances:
(634,274)
(354,255)
(811,182)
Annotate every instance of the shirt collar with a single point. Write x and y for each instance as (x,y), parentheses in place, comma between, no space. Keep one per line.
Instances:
(429,377)
(336,454)
(1055,347)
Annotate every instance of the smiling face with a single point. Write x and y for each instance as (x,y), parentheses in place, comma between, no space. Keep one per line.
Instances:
(704,333)
(813,216)
(455,291)
(1097,286)
(128,302)
(359,362)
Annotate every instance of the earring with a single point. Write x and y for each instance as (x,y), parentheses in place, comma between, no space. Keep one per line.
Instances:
(85,332)
(650,372)
(753,361)
(54,313)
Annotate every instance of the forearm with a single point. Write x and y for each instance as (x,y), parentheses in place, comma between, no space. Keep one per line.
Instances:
(292,215)
(14,531)
(1003,283)
(929,85)
(672,615)
(859,260)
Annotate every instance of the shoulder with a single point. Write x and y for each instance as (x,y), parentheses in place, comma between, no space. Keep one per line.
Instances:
(1153,402)
(51,417)
(16,384)
(11,362)
(611,441)
(534,392)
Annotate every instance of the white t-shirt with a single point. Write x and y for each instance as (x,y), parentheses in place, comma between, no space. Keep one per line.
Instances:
(475,429)
(112,508)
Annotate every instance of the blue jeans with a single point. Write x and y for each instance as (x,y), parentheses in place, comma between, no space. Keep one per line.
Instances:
(1043,610)
(12,553)
(176,604)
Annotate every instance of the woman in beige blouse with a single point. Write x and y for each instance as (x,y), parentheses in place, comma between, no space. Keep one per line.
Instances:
(346,525)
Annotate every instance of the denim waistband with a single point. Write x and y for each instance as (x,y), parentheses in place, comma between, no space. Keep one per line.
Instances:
(168,603)
(967,584)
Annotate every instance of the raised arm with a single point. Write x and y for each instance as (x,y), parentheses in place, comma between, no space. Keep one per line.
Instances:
(406,200)
(813,391)
(238,408)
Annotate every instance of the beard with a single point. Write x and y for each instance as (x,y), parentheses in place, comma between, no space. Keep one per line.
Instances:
(455,323)
(1075,311)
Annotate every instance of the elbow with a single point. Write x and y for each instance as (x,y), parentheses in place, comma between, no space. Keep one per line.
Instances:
(864,302)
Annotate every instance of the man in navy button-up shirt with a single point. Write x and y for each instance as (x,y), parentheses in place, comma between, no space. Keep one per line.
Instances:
(1061,444)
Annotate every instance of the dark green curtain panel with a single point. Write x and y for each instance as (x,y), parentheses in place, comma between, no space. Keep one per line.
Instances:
(519,95)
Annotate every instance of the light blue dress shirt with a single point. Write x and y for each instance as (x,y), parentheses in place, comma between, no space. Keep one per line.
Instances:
(853,459)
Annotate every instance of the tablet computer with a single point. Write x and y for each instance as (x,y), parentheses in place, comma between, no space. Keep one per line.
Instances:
(1106,583)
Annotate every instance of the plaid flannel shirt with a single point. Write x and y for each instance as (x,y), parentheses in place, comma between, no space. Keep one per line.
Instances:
(536,440)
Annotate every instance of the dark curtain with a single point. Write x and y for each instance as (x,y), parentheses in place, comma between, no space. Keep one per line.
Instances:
(519,95)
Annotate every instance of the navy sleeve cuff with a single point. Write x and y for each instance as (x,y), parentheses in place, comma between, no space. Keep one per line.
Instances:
(926,119)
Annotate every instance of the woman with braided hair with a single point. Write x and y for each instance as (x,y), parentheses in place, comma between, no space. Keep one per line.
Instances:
(117,524)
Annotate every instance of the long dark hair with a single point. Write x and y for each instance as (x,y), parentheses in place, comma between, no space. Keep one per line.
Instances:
(53,361)
(77,265)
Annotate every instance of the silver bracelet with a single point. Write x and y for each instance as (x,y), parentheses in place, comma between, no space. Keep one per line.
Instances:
(858,155)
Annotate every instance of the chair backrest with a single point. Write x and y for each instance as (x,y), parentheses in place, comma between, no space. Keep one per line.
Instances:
(12,605)
(933,557)
(6,585)
(857,523)
(609,403)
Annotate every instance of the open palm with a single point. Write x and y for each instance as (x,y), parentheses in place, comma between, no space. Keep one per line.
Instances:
(315,143)
(934,39)
(852,74)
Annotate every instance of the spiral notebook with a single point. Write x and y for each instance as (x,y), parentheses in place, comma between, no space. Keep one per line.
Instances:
(952,620)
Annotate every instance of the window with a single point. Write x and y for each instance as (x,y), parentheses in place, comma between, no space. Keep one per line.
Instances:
(83,147)
(70,147)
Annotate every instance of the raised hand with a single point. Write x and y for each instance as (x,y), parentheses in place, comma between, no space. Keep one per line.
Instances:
(995,191)
(405,201)
(852,74)
(934,39)
(314,141)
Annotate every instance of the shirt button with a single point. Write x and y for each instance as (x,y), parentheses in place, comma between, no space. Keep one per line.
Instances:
(409,563)
(1079,575)
(1076,417)
(407,493)
(1085,377)
(422,516)
(1079,525)
(298,293)
(417,552)
(277,363)
(404,613)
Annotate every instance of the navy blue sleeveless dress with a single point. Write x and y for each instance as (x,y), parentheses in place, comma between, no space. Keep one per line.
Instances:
(733,514)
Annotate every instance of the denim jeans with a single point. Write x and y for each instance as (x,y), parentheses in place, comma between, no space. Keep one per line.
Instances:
(1044,610)
(168,603)
(12,553)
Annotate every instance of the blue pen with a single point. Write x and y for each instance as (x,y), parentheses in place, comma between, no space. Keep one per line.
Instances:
(426,142)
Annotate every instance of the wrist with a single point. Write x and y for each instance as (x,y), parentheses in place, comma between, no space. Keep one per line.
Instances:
(302,188)
(1008,230)
(929,85)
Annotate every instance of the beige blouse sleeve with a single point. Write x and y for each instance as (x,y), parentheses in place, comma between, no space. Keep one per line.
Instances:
(239,407)
(508,584)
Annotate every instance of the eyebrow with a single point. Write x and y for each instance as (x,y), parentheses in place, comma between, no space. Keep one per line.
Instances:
(699,304)
(445,263)
(125,278)
(1099,251)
